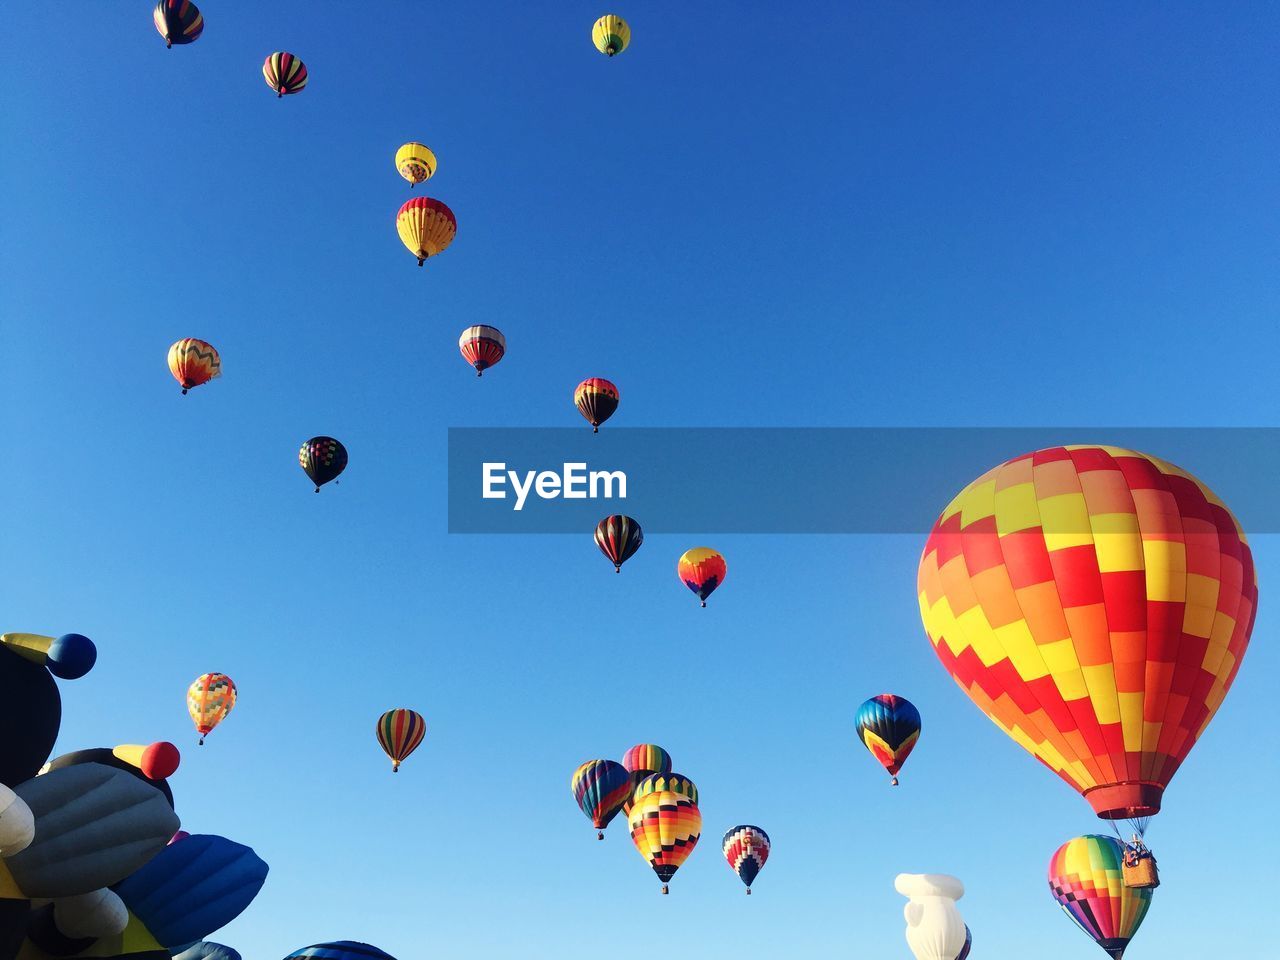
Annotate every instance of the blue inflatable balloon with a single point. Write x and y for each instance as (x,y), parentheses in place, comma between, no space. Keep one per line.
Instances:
(71,656)
(204,950)
(340,950)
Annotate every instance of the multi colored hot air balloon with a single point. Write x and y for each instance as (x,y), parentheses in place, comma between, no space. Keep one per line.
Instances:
(600,787)
(1095,603)
(284,73)
(611,35)
(399,734)
(193,362)
(665,828)
(889,727)
(426,227)
(618,538)
(641,761)
(701,570)
(209,699)
(482,347)
(654,782)
(596,399)
(416,163)
(1086,878)
(323,459)
(178,21)
(746,848)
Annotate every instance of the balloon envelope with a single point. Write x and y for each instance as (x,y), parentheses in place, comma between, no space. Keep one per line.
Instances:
(746,848)
(426,227)
(701,570)
(178,21)
(618,538)
(482,346)
(284,73)
(596,399)
(205,950)
(399,733)
(600,787)
(322,459)
(415,162)
(889,726)
(340,950)
(611,35)
(1086,877)
(209,699)
(665,828)
(193,362)
(29,702)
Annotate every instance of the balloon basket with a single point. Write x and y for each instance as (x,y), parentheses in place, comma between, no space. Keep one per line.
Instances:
(599,834)
(893,781)
(1141,874)
(748,891)
(665,891)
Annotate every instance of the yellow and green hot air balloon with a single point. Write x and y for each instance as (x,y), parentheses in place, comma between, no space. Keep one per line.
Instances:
(416,163)
(611,34)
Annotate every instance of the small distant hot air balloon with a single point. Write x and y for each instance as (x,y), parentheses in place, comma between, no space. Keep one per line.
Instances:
(665,828)
(178,21)
(399,734)
(596,399)
(642,761)
(284,73)
(209,699)
(701,570)
(482,347)
(426,227)
(416,163)
(618,538)
(611,35)
(323,459)
(601,787)
(1086,877)
(889,727)
(193,362)
(746,848)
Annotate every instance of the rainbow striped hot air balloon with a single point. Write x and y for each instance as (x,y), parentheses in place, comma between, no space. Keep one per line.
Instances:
(284,73)
(665,828)
(600,787)
(400,732)
(889,727)
(209,699)
(1086,877)
(641,761)
(746,848)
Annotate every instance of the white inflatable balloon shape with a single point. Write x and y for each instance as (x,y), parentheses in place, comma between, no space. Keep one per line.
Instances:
(17,823)
(935,929)
(98,913)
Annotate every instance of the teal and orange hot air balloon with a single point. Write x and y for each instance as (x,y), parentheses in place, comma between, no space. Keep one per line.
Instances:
(209,699)
(284,73)
(665,828)
(1086,877)
(322,459)
(596,399)
(193,362)
(889,726)
(600,787)
(746,848)
(400,732)
(618,538)
(178,21)
(701,570)
(1095,603)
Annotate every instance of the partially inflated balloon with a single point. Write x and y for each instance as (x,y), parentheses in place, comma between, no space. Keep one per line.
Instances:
(209,699)
(600,787)
(399,734)
(596,399)
(178,21)
(1086,877)
(611,35)
(889,727)
(340,950)
(322,459)
(416,163)
(482,347)
(1095,603)
(701,570)
(284,73)
(193,362)
(746,848)
(665,828)
(618,538)
(426,227)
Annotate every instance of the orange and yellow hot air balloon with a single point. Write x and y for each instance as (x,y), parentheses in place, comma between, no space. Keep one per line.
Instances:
(426,227)
(209,699)
(701,570)
(193,362)
(665,827)
(1095,603)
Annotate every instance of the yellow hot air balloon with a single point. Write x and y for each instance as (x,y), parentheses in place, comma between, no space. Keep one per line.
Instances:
(611,34)
(416,163)
(426,227)
(665,827)
(209,699)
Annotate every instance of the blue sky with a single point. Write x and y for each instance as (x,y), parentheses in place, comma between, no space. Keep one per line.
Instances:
(760,214)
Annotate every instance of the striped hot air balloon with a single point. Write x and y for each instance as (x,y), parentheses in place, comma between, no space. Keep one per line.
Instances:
(618,538)
(482,347)
(178,21)
(415,162)
(400,732)
(284,73)
(1086,877)
(665,828)
(746,848)
(641,761)
(426,227)
(701,570)
(889,727)
(600,787)
(193,362)
(209,699)
(1095,603)
(596,399)
(322,459)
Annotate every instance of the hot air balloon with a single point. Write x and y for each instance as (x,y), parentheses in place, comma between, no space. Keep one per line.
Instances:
(482,347)
(178,21)
(399,734)
(284,73)
(426,227)
(193,362)
(665,828)
(701,570)
(641,761)
(596,399)
(1095,603)
(340,950)
(889,727)
(675,782)
(935,929)
(611,35)
(209,699)
(618,538)
(416,163)
(600,787)
(323,459)
(1086,878)
(746,848)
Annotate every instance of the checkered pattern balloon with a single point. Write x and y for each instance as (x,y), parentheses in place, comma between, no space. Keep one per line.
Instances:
(746,848)
(665,828)
(1086,878)
(209,699)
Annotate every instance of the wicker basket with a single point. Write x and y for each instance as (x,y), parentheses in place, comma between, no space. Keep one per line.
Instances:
(1141,874)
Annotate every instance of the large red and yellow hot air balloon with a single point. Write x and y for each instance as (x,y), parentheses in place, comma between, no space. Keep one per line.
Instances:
(400,732)
(426,227)
(284,73)
(665,827)
(209,699)
(1095,603)
(193,362)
